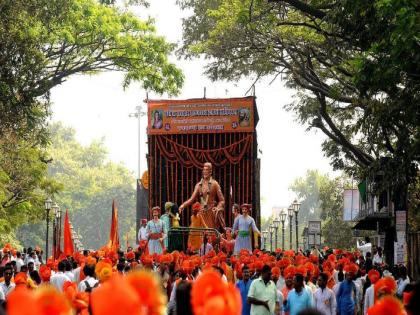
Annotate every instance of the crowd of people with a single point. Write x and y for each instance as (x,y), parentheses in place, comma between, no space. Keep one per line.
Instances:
(227,279)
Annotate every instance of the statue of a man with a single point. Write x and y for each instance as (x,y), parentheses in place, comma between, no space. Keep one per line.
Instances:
(208,193)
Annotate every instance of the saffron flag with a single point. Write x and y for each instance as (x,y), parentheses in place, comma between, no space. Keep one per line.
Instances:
(114,240)
(68,242)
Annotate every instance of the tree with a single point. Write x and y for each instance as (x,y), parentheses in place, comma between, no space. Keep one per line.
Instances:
(354,64)
(322,199)
(90,184)
(44,42)
(23,185)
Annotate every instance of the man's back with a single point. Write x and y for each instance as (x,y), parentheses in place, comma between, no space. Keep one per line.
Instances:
(58,279)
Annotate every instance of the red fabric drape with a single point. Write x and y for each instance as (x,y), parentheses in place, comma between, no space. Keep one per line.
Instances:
(68,242)
(173,151)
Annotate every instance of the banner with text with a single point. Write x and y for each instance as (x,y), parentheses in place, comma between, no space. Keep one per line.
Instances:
(200,116)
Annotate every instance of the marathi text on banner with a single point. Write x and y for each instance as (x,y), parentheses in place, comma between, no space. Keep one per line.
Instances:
(200,116)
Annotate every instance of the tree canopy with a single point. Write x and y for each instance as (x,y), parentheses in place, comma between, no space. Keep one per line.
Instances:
(354,65)
(91,182)
(322,199)
(45,42)
(42,44)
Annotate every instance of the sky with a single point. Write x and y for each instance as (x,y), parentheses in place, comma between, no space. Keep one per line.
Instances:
(98,107)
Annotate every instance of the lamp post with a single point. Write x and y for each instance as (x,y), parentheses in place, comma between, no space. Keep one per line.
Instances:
(59,230)
(271,236)
(47,204)
(296,208)
(276,223)
(55,209)
(265,236)
(138,114)
(282,219)
(290,213)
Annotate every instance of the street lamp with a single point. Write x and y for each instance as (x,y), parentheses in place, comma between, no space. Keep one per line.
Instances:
(276,223)
(265,236)
(55,209)
(296,208)
(138,114)
(272,228)
(283,216)
(47,204)
(290,213)
(59,212)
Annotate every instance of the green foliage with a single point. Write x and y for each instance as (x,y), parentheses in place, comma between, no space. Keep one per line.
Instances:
(90,184)
(414,206)
(354,64)
(42,44)
(45,41)
(322,199)
(24,185)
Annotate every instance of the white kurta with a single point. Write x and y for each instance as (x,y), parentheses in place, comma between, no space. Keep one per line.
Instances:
(325,301)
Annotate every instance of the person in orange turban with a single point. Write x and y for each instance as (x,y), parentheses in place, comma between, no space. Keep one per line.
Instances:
(347,293)
(388,305)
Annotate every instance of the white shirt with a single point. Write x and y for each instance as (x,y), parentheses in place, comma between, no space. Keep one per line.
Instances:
(209,247)
(280,300)
(280,283)
(76,273)
(263,292)
(377,260)
(142,236)
(2,297)
(7,288)
(401,286)
(311,293)
(325,301)
(58,280)
(19,264)
(366,248)
(369,299)
(92,282)
(70,275)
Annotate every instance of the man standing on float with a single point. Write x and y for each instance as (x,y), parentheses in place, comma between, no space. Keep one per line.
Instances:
(208,193)
(243,226)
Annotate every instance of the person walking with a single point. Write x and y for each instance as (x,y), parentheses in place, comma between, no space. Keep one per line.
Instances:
(243,286)
(347,294)
(7,285)
(58,279)
(262,295)
(324,297)
(299,298)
